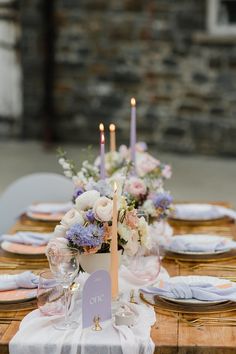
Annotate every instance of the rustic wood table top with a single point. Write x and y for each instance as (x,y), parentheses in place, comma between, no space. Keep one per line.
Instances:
(172,333)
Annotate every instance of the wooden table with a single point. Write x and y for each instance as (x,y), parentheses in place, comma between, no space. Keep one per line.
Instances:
(170,334)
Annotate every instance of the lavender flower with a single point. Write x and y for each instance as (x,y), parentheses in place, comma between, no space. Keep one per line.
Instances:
(102,187)
(78,191)
(162,201)
(85,236)
(90,215)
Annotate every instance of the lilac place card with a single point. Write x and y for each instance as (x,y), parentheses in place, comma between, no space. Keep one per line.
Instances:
(96,298)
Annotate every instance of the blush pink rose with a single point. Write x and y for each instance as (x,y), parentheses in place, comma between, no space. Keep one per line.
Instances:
(146,163)
(131,219)
(102,209)
(167,172)
(55,250)
(124,151)
(136,187)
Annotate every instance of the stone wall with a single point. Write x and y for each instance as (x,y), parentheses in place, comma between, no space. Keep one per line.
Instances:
(32,58)
(10,70)
(155,50)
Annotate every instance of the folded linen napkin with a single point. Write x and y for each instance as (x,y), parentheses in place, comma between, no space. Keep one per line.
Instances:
(28,238)
(202,211)
(199,291)
(225,211)
(200,245)
(50,208)
(26,280)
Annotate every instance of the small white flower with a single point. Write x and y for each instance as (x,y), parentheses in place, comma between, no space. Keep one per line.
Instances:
(149,208)
(66,165)
(145,238)
(131,237)
(68,173)
(61,161)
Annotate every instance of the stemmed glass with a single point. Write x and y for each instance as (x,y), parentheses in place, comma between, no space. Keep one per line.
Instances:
(50,295)
(64,265)
(144,268)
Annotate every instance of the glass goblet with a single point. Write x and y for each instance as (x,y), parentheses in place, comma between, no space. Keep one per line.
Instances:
(64,265)
(144,268)
(50,295)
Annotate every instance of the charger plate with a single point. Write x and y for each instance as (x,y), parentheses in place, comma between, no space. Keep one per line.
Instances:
(166,305)
(226,256)
(18,306)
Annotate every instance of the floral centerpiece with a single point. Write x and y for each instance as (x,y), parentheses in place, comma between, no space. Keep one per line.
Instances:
(87,226)
(143,191)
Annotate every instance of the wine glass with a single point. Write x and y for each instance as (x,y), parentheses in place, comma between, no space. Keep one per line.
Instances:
(64,265)
(144,267)
(50,295)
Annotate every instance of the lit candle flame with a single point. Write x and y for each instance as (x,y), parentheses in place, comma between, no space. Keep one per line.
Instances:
(133,102)
(102,138)
(115,187)
(112,127)
(101,127)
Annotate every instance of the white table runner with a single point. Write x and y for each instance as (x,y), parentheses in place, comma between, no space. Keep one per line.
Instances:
(37,335)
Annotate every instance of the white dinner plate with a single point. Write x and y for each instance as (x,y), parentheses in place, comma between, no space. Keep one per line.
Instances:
(196,212)
(203,239)
(19,248)
(196,279)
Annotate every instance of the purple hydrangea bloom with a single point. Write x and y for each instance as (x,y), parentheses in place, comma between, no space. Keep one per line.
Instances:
(77,192)
(103,188)
(162,200)
(90,215)
(82,236)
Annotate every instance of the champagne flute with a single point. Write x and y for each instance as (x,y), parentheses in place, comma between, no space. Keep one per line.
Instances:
(64,265)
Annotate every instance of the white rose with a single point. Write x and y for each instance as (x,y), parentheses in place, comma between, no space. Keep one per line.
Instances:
(103,209)
(60,231)
(131,237)
(86,200)
(72,217)
(149,208)
(144,234)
